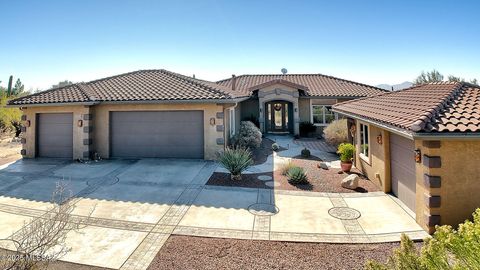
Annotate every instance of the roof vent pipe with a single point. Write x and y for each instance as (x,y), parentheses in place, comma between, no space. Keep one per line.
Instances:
(234,81)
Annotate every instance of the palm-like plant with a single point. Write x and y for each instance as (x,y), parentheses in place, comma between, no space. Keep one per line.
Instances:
(236,160)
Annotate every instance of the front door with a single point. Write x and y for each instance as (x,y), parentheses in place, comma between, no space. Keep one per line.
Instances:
(277,117)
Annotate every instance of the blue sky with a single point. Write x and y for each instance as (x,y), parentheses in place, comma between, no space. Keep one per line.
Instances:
(367,41)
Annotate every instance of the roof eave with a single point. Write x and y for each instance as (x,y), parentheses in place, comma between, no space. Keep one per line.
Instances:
(52,104)
(448,136)
(399,131)
(229,100)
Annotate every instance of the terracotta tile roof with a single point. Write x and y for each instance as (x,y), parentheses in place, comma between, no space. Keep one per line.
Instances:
(431,108)
(314,84)
(142,85)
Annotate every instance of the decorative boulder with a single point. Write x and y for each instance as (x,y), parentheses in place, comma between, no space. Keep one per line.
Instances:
(323,165)
(350,182)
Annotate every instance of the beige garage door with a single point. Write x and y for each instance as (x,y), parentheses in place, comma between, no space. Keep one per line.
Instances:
(156,134)
(403,169)
(55,135)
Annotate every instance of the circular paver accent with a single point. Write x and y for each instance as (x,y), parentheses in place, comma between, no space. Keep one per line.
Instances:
(263,209)
(344,213)
(272,184)
(264,178)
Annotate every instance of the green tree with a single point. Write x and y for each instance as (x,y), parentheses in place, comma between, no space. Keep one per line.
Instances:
(447,249)
(18,88)
(474,81)
(62,84)
(452,78)
(428,77)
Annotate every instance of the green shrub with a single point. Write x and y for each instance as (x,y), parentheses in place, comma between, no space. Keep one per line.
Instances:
(336,132)
(10,118)
(252,119)
(286,167)
(305,153)
(306,128)
(235,160)
(249,136)
(346,152)
(296,175)
(275,147)
(447,249)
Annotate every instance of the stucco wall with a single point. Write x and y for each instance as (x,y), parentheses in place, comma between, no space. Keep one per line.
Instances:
(304,109)
(102,122)
(99,136)
(249,108)
(377,168)
(460,177)
(30,113)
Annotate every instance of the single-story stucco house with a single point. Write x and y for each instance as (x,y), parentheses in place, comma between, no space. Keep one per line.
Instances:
(158,113)
(422,144)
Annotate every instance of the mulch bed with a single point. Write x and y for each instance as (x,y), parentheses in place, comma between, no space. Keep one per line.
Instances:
(248,180)
(188,252)
(320,180)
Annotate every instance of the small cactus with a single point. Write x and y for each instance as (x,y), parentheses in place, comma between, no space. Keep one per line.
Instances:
(275,147)
(296,175)
(305,153)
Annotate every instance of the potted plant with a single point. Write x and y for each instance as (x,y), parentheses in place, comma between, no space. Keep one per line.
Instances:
(235,160)
(346,152)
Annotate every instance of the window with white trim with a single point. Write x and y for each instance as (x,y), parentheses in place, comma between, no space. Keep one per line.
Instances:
(364,140)
(322,114)
(232,122)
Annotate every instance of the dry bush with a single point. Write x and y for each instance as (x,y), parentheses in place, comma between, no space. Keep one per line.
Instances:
(336,132)
(43,239)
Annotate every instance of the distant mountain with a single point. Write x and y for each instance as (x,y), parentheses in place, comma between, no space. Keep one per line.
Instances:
(396,87)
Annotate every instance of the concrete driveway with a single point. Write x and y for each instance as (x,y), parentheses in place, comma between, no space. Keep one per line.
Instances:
(137,204)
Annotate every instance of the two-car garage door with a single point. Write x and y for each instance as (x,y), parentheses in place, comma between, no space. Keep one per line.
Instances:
(156,134)
(403,169)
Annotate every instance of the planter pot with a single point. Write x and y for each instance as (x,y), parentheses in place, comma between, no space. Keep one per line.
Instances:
(237,177)
(346,166)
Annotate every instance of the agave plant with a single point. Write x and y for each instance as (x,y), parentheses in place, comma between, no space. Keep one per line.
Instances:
(236,160)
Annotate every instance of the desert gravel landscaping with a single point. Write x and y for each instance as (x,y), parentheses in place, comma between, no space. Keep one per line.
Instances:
(187,252)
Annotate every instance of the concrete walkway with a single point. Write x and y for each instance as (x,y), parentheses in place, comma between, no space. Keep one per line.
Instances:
(139,203)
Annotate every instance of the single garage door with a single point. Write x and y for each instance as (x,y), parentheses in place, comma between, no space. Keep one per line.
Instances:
(403,169)
(55,135)
(157,134)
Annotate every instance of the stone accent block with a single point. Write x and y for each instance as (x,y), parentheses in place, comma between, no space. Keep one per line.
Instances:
(23,152)
(24,117)
(87,141)
(220,141)
(87,116)
(432,161)
(432,144)
(23,140)
(219,115)
(23,129)
(432,201)
(432,181)
(432,220)
(87,129)
(220,128)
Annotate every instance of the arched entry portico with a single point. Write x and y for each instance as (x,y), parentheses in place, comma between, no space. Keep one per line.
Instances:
(279,116)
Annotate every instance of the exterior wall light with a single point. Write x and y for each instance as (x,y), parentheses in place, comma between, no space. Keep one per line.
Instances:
(80,123)
(212,121)
(27,123)
(418,155)
(379,139)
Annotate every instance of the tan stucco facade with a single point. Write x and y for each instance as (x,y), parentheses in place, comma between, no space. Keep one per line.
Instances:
(93,136)
(455,197)
(447,176)
(29,135)
(377,165)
